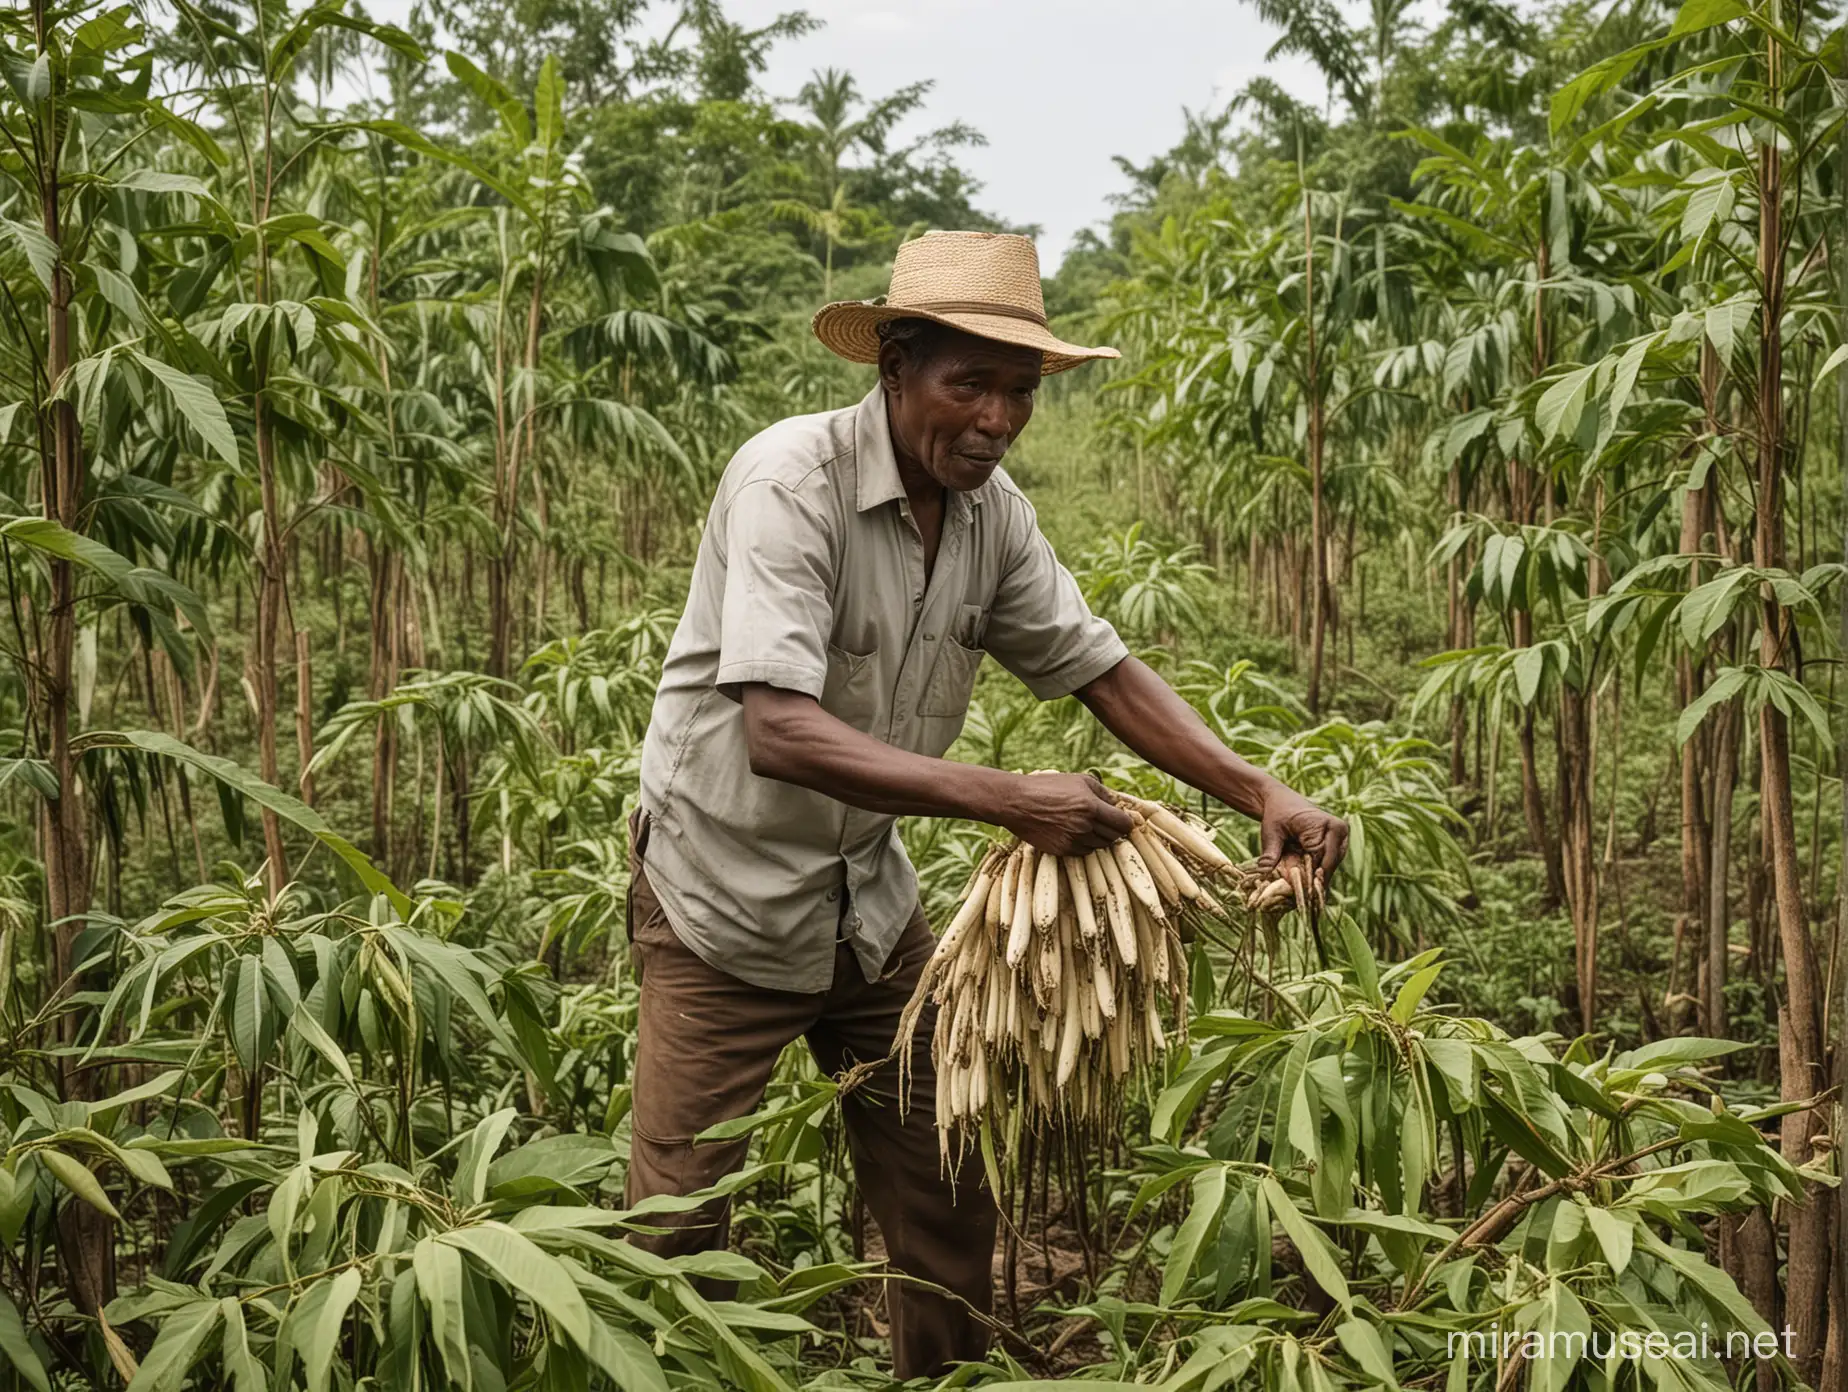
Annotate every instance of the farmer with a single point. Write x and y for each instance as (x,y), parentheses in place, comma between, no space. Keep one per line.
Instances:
(855,569)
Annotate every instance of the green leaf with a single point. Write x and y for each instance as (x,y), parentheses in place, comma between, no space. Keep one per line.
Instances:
(493,95)
(1792,697)
(17,1347)
(544,1220)
(164,181)
(630,1363)
(1829,364)
(1710,201)
(1456,1062)
(51,539)
(150,588)
(1595,81)
(314,1325)
(1563,402)
(1177,1101)
(1360,959)
(1565,1327)
(795,1114)
(1715,1286)
(161,593)
(1677,1052)
(296,38)
(195,401)
(120,293)
(475,1154)
(77,1177)
(1513,553)
(1398,1224)
(1616,1234)
(246,1371)
(1719,690)
(440,1282)
(1623,381)
(1707,608)
(1318,1253)
(549,103)
(1581,1091)
(1209,1196)
(182,1336)
(252,1030)
(452,966)
(35,774)
(195,1230)
(571,1160)
(1412,993)
(304,1024)
(1697,15)
(1725,322)
(1529,671)
(229,775)
(528,1272)
(1362,1343)
(1289,1083)
(1518,1131)
(413,139)
(40,251)
(189,132)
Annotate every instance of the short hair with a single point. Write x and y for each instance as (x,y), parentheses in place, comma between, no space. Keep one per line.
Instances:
(917,339)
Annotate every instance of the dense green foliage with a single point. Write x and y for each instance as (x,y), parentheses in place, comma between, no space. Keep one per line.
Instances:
(1472,465)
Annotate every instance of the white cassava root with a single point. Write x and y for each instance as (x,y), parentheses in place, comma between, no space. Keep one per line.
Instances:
(1051,980)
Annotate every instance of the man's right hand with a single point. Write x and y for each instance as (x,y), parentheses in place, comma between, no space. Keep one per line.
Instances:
(1063,813)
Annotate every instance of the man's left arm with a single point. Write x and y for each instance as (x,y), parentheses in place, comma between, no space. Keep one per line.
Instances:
(1149,716)
(1043,632)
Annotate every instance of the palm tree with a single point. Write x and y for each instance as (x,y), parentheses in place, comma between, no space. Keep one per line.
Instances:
(839,123)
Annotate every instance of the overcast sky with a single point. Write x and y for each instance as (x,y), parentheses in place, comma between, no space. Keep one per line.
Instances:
(1057,86)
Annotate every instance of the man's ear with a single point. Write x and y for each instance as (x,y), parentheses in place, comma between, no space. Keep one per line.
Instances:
(891,367)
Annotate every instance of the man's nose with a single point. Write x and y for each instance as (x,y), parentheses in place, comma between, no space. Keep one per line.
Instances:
(992,418)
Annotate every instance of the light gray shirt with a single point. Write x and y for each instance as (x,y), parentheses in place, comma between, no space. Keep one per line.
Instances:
(810,577)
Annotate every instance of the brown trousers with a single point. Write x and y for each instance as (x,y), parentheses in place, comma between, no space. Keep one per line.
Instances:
(706,1046)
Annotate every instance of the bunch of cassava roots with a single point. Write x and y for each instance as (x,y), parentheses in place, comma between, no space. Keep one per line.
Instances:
(1053,979)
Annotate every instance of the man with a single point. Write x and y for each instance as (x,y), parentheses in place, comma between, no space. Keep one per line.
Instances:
(855,569)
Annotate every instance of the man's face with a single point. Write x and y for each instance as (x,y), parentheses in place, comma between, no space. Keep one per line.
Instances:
(957,405)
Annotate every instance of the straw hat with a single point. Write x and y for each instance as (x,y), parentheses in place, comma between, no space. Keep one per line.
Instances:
(984,283)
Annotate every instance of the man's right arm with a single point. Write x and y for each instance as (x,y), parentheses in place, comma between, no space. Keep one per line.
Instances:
(792,739)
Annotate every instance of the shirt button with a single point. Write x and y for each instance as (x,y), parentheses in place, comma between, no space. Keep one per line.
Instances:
(833,894)
(930,637)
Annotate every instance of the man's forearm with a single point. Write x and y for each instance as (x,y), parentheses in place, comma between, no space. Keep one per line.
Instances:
(1143,711)
(795,741)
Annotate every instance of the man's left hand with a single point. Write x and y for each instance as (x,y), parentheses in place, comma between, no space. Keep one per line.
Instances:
(1292,828)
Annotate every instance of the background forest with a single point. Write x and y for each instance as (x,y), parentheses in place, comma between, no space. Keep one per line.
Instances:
(1476,463)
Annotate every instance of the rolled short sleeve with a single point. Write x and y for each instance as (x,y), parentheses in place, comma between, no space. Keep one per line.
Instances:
(1040,628)
(778,604)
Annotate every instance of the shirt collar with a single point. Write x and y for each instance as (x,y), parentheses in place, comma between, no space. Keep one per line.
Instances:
(877,465)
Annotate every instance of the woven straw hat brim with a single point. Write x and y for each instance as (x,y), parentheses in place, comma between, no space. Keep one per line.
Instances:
(850,329)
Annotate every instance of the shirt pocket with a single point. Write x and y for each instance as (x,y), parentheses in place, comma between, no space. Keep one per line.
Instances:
(851,690)
(952,679)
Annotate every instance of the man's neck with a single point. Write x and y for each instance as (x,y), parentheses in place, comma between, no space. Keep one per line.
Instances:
(922,491)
